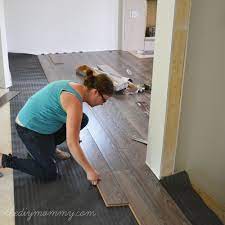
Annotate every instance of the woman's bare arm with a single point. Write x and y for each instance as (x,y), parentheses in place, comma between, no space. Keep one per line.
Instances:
(74,112)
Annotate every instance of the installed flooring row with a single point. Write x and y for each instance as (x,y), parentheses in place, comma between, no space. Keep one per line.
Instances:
(126,180)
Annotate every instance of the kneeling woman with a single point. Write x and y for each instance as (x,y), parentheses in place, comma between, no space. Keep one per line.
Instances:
(51,116)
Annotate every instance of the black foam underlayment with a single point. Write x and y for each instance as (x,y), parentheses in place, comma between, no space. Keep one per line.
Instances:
(193,207)
(62,201)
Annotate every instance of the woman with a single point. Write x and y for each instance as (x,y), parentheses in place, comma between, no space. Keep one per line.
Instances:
(51,116)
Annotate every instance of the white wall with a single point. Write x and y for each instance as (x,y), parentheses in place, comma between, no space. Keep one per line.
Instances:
(61,26)
(161,72)
(134,24)
(201,143)
(5,76)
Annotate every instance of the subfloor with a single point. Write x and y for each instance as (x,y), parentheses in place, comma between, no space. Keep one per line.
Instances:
(126,180)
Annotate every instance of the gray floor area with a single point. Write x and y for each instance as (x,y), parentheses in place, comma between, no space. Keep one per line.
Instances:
(39,202)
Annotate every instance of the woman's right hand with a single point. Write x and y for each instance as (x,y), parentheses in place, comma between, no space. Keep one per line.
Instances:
(93,176)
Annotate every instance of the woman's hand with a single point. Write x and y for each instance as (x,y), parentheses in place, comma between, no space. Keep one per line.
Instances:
(93,176)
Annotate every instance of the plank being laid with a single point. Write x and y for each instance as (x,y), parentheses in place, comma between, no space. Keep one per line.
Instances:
(109,188)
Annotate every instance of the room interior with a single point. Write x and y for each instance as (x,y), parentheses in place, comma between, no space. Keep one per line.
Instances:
(167,116)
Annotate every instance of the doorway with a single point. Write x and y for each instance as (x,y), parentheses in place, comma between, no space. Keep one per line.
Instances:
(138,29)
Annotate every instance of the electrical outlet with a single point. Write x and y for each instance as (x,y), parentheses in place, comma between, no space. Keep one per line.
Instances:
(133,13)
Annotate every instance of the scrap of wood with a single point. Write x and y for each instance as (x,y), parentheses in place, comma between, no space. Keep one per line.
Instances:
(144,106)
(53,61)
(8,97)
(140,140)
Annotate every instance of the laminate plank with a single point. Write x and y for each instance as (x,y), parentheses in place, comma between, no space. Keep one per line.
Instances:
(147,210)
(109,188)
(135,152)
(93,153)
(119,63)
(156,192)
(56,58)
(54,72)
(107,121)
(126,105)
(144,66)
(141,207)
(111,191)
(114,158)
(48,67)
(120,118)
(66,69)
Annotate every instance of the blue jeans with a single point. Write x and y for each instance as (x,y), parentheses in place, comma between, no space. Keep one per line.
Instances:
(42,149)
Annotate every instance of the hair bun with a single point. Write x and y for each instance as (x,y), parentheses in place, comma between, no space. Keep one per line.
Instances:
(89,73)
(90,79)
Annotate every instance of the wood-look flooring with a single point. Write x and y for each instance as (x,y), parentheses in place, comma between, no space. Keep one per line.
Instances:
(126,180)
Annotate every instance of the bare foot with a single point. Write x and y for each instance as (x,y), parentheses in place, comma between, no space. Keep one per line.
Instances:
(61,154)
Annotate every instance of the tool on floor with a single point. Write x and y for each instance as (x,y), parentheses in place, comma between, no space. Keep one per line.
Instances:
(140,140)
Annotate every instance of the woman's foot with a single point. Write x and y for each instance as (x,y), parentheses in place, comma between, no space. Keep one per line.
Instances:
(1,175)
(1,160)
(61,154)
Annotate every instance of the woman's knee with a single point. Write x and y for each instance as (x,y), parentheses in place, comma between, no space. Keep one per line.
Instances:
(85,120)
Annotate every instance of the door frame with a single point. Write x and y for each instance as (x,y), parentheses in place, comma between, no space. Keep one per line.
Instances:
(122,24)
(172,26)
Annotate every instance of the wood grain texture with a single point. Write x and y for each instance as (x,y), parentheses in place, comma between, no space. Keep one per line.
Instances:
(113,157)
(156,192)
(147,209)
(178,56)
(109,188)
